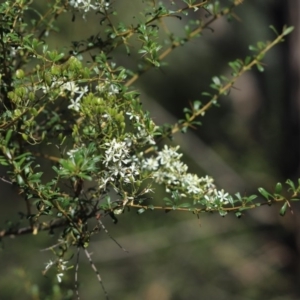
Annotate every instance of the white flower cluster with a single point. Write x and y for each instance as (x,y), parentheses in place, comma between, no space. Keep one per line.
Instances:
(61,268)
(118,163)
(81,91)
(67,86)
(142,133)
(117,152)
(86,5)
(166,168)
(109,88)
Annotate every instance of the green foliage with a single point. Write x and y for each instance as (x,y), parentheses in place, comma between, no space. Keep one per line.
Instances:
(79,111)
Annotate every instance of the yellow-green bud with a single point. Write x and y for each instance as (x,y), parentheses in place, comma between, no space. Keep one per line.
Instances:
(20,74)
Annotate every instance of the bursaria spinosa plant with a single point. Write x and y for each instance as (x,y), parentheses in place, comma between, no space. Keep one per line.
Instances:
(78,109)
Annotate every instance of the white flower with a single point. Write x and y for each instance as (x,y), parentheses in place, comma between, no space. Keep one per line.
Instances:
(106,86)
(151,164)
(75,104)
(84,5)
(59,276)
(117,151)
(178,167)
(83,90)
(133,169)
(103,5)
(49,265)
(117,169)
(167,154)
(222,196)
(112,90)
(160,176)
(208,182)
(133,116)
(191,183)
(54,84)
(70,86)
(128,141)
(14,51)
(101,87)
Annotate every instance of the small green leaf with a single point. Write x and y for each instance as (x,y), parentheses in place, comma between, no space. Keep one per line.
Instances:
(35,177)
(252,48)
(25,137)
(247,60)
(8,136)
(48,203)
(265,193)
(260,67)
(141,210)
(251,198)
(216,80)
(84,176)
(184,129)
(196,105)
(20,180)
(184,205)
(291,184)
(274,29)
(3,161)
(283,209)
(278,188)
(244,208)
(223,213)
(238,214)
(187,110)
(206,94)
(287,30)
(238,196)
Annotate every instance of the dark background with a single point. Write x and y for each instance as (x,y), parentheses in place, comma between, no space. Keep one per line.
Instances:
(252,140)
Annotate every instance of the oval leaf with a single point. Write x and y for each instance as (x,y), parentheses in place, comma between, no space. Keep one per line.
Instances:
(283,209)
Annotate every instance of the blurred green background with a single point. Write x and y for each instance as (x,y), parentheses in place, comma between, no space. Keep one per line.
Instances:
(252,140)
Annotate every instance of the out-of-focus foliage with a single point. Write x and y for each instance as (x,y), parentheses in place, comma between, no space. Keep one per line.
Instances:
(76,143)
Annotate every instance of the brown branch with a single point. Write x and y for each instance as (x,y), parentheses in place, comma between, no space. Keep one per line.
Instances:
(12,232)
(192,35)
(201,210)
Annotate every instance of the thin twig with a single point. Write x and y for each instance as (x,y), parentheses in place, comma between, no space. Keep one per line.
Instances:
(76,274)
(53,246)
(25,230)
(106,231)
(5,180)
(97,273)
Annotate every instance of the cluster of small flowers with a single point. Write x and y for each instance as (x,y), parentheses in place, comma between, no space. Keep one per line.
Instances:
(107,87)
(69,86)
(142,133)
(85,5)
(216,197)
(118,163)
(61,268)
(81,91)
(166,168)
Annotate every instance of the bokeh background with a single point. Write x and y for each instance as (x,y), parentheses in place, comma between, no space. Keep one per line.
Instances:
(252,140)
